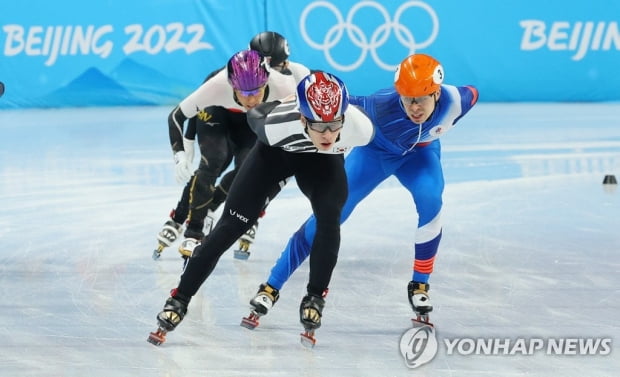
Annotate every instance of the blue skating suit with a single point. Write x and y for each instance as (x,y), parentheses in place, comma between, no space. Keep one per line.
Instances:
(401,148)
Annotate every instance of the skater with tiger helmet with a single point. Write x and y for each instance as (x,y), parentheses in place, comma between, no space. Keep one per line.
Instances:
(409,118)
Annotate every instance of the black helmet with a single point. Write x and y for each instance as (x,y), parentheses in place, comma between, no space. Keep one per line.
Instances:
(272,45)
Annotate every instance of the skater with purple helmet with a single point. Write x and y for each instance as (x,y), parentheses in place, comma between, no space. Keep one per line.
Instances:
(219,107)
(304,137)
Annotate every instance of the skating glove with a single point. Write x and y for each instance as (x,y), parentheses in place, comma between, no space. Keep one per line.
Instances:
(183,168)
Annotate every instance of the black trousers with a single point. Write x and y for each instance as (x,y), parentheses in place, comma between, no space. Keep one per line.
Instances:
(222,135)
(321,178)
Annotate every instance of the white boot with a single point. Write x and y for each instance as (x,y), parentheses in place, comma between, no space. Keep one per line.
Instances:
(246,239)
(250,234)
(418,297)
(169,233)
(265,298)
(186,248)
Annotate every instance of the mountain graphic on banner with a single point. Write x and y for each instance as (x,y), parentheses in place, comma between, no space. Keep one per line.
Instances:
(150,84)
(128,84)
(93,88)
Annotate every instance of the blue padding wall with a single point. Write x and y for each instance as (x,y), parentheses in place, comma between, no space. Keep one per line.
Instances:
(108,53)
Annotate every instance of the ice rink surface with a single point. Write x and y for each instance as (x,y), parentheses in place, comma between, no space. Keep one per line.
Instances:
(531,250)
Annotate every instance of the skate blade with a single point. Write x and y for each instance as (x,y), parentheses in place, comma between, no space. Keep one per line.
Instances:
(250,322)
(421,320)
(157,252)
(307,339)
(157,337)
(242,254)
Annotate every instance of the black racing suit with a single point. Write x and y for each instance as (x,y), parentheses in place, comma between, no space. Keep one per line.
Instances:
(321,178)
(218,147)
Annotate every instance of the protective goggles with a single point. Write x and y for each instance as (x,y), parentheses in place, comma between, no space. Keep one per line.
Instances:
(251,92)
(408,101)
(321,127)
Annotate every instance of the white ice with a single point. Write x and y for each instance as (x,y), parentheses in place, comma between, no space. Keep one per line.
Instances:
(531,249)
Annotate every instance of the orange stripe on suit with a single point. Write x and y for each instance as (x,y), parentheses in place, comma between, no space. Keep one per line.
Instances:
(424,266)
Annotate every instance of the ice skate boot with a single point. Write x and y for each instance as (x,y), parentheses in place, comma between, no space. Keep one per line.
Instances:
(310,312)
(192,239)
(169,318)
(420,301)
(168,234)
(243,252)
(264,300)
(186,248)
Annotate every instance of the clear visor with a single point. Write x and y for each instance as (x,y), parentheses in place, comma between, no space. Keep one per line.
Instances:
(321,127)
(408,101)
(251,92)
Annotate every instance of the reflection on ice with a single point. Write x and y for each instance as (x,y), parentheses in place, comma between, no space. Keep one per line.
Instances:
(530,250)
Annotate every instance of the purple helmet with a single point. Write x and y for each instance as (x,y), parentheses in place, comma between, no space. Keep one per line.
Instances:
(322,97)
(247,72)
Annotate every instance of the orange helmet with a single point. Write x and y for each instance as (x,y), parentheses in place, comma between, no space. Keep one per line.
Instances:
(418,75)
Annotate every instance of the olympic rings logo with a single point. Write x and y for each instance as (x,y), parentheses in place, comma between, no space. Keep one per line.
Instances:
(358,37)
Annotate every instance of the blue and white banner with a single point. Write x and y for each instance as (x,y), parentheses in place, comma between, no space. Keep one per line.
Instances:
(71,53)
